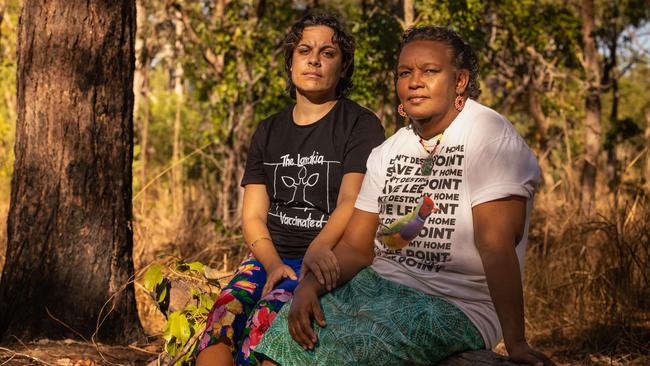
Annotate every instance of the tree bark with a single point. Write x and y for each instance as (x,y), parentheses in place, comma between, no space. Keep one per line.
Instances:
(535,109)
(3,6)
(409,18)
(610,79)
(69,254)
(140,58)
(592,109)
(139,92)
(612,158)
(647,151)
(409,14)
(177,167)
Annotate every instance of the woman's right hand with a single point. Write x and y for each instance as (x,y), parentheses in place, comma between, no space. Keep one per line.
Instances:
(304,306)
(522,352)
(275,274)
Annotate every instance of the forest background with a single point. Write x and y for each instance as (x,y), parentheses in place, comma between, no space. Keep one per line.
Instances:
(572,76)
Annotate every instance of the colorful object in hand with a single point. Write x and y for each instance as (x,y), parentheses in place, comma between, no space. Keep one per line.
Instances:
(398,234)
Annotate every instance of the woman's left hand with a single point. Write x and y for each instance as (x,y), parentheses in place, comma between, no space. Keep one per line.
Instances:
(321,261)
(523,352)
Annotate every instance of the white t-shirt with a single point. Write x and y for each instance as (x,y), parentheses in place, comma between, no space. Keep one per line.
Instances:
(481,158)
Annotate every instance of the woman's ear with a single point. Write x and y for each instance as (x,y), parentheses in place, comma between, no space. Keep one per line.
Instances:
(462,80)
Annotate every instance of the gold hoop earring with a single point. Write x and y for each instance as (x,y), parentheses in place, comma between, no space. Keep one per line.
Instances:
(459,103)
(400,110)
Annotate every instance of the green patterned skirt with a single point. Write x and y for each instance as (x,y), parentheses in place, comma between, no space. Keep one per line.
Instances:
(374,321)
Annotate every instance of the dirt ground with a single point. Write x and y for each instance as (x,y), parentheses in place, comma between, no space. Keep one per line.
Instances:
(73,353)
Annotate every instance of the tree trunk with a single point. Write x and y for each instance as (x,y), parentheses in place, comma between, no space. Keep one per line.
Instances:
(647,151)
(140,59)
(240,153)
(144,145)
(3,6)
(69,254)
(177,167)
(535,109)
(611,76)
(409,14)
(592,109)
(139,93)
(408,8)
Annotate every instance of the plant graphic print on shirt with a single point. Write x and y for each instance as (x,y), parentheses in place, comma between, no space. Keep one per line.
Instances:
(301,189)
(302,181)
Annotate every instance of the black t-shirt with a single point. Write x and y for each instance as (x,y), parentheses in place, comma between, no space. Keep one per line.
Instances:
(302,168)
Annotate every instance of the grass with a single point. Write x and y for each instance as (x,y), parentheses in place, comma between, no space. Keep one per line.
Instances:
(586,281)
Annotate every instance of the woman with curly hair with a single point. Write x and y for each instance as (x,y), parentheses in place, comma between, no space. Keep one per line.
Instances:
(304,170)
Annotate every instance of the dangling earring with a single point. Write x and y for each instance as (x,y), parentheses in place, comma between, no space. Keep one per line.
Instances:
(459,103)
(400,110)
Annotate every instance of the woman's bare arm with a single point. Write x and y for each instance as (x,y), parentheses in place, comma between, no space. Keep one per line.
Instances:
(319,258)
(498,227)
(258,238)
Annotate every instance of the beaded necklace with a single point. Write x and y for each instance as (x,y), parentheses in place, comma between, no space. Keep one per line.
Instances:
(427,163)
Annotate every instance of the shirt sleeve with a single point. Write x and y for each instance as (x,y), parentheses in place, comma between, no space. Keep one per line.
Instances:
(368,198)
(367,134)
(503,167)
(254,171)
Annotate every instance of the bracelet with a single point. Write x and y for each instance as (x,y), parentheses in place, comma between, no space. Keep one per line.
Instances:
(252,244)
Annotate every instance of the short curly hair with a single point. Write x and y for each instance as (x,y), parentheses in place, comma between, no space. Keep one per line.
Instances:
(464,56)
(341,37)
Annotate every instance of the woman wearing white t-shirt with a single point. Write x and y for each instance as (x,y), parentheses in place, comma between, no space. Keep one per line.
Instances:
(441,223)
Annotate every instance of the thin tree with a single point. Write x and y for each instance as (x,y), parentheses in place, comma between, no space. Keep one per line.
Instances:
(592,108)
(619,20)
(140,91)
(69,265)
(409,14)
(3,6)
(179,92)
(646,170)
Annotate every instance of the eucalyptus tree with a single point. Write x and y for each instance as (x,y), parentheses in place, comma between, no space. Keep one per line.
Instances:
(616,36)
(69,267)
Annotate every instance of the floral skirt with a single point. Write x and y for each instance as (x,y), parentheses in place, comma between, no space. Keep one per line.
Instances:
(373,321)
(241,314)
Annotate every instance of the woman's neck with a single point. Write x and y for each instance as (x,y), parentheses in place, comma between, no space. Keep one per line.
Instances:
(432,127)
(309,111)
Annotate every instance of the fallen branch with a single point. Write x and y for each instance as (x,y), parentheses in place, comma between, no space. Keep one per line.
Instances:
(18,354)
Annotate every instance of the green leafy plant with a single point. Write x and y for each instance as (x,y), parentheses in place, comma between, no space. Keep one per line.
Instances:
(185,293)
